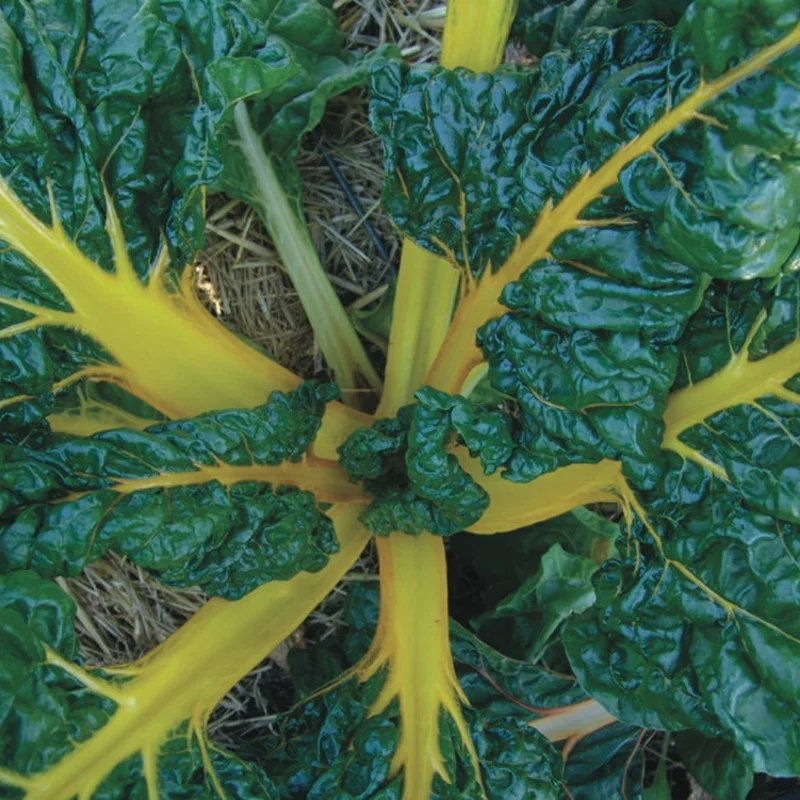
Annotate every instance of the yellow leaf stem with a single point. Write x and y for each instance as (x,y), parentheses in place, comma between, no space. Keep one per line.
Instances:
(412,640)
(324,479)
(459,354)
(515,505)
(475,33)
(167,348)
(740,381)
(423,305)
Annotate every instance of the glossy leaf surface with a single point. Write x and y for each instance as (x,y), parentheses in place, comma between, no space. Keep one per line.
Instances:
(312,759)
(715,765)
(212,500)
(545,25)
(418,484)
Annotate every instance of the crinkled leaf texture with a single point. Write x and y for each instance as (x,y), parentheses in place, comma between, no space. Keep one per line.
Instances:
(211,500)
(698,628)
(545,25)
(135,98)
(45,711)
(626,215)
(418,485)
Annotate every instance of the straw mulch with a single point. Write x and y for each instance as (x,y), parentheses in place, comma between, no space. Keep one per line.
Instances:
(123,613)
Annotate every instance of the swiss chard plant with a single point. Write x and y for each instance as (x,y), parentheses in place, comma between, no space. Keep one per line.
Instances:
(598,304)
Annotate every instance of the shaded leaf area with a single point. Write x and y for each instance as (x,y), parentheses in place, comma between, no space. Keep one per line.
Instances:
(501,589)
(45,712)
(715,765)
(601,292)
(406,464)
(544,25)
(135,97)
(697,626)
(329,745)
(197,501)
(560,587)
(606,763)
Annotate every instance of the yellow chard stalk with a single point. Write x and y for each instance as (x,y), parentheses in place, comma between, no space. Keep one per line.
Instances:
(412,639)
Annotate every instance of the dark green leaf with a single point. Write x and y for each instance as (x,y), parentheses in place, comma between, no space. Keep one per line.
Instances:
(164,497)
(137,97)
(715,765)
(699,629)
(549,24)
(626,283)
(311,758)
(590,347)
(417,483)
(607,763)
(562,586)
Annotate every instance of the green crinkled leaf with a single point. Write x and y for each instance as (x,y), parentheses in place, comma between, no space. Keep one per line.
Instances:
(700,629)
(544,25)
(683,269)
(715,765)
(721,32)
(137,97)
(417,483)
(581,397)
(506,142)
(67,505)
(44,712)
(312,757)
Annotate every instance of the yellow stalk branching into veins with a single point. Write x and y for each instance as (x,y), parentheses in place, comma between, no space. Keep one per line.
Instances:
(167,350)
